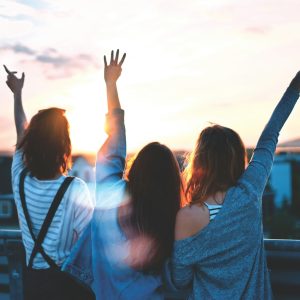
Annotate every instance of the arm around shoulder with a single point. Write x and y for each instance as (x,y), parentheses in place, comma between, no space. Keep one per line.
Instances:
(189,221)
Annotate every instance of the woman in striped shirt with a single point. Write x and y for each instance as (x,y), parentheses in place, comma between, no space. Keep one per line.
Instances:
(39,169)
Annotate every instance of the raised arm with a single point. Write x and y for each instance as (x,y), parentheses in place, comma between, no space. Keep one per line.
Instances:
(111,156)
(16,85)
(256,175)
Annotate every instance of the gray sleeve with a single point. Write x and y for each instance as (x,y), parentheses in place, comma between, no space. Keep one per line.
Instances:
(182,275)
(182,262)
(170,288)
(256,175)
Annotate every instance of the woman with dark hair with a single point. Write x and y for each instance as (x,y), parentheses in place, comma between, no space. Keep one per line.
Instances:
(53,209)
(219,251)
(132,230)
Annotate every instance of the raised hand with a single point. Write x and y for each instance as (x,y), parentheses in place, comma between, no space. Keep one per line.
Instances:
(15,84)
(113,71)
(295,83)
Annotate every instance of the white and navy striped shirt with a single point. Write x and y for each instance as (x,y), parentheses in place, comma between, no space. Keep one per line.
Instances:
(213,210)
(71,218)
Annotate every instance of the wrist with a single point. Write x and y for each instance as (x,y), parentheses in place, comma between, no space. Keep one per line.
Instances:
(18,94)
(111,83)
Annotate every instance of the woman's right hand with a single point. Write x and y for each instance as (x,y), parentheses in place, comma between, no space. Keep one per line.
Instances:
(295,83)
(15,84)
(113,71)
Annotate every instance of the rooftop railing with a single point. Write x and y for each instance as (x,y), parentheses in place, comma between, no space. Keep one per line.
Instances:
(283,258)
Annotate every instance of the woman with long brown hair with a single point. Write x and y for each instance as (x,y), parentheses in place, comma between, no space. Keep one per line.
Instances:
(53,208)
(132,231)
(218,252)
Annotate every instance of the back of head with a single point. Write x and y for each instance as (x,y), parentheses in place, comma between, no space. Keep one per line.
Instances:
(154,185)
(46,144)
(217,162)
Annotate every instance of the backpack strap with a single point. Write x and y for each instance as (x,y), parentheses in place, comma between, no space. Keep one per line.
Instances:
(38,248)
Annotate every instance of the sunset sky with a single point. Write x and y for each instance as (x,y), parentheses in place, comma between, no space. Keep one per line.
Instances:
(189,62)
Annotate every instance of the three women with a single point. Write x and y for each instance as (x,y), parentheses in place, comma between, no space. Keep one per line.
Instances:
(218,252)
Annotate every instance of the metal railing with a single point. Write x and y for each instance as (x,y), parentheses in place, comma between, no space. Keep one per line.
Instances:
(11,247)
(283,257)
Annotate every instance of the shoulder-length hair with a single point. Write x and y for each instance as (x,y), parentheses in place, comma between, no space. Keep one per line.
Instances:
(154,187)
(216,163)
(46,144)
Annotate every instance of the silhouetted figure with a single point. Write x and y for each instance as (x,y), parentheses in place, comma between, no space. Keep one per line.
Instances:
(53,209)
(132,230)
(219,251)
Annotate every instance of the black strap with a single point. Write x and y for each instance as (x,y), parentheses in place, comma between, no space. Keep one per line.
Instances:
(46,224)
(27,217)
(50,215)
(26,214)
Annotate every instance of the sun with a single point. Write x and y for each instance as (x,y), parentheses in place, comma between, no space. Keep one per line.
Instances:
(86,110)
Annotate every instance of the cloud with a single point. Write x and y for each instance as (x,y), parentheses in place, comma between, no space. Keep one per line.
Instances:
(57,61)
(22,49)
(55,64)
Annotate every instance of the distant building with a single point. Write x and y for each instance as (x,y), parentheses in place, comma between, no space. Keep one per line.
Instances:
(8,213)
(290,146)
(285,179)
(5,173)
(281,179)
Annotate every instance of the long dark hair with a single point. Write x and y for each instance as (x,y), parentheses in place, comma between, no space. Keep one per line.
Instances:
(46,144)
(217,162)
(154,186)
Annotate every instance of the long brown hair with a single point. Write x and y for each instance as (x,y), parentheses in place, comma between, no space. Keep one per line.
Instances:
(154,186)
(46,144)
(218,160)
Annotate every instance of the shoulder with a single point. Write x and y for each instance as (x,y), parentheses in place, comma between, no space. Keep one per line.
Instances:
(79,183)
(79,189)
(189,220)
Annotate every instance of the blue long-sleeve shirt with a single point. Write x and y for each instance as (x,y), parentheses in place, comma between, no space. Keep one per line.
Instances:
(226,259)
(99,259)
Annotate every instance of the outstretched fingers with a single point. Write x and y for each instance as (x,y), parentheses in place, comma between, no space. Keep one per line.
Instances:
(114,60)
(117,57)
(111,57)
(122,59)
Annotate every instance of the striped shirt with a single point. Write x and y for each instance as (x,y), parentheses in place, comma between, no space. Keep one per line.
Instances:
(213,210)
(71,218)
